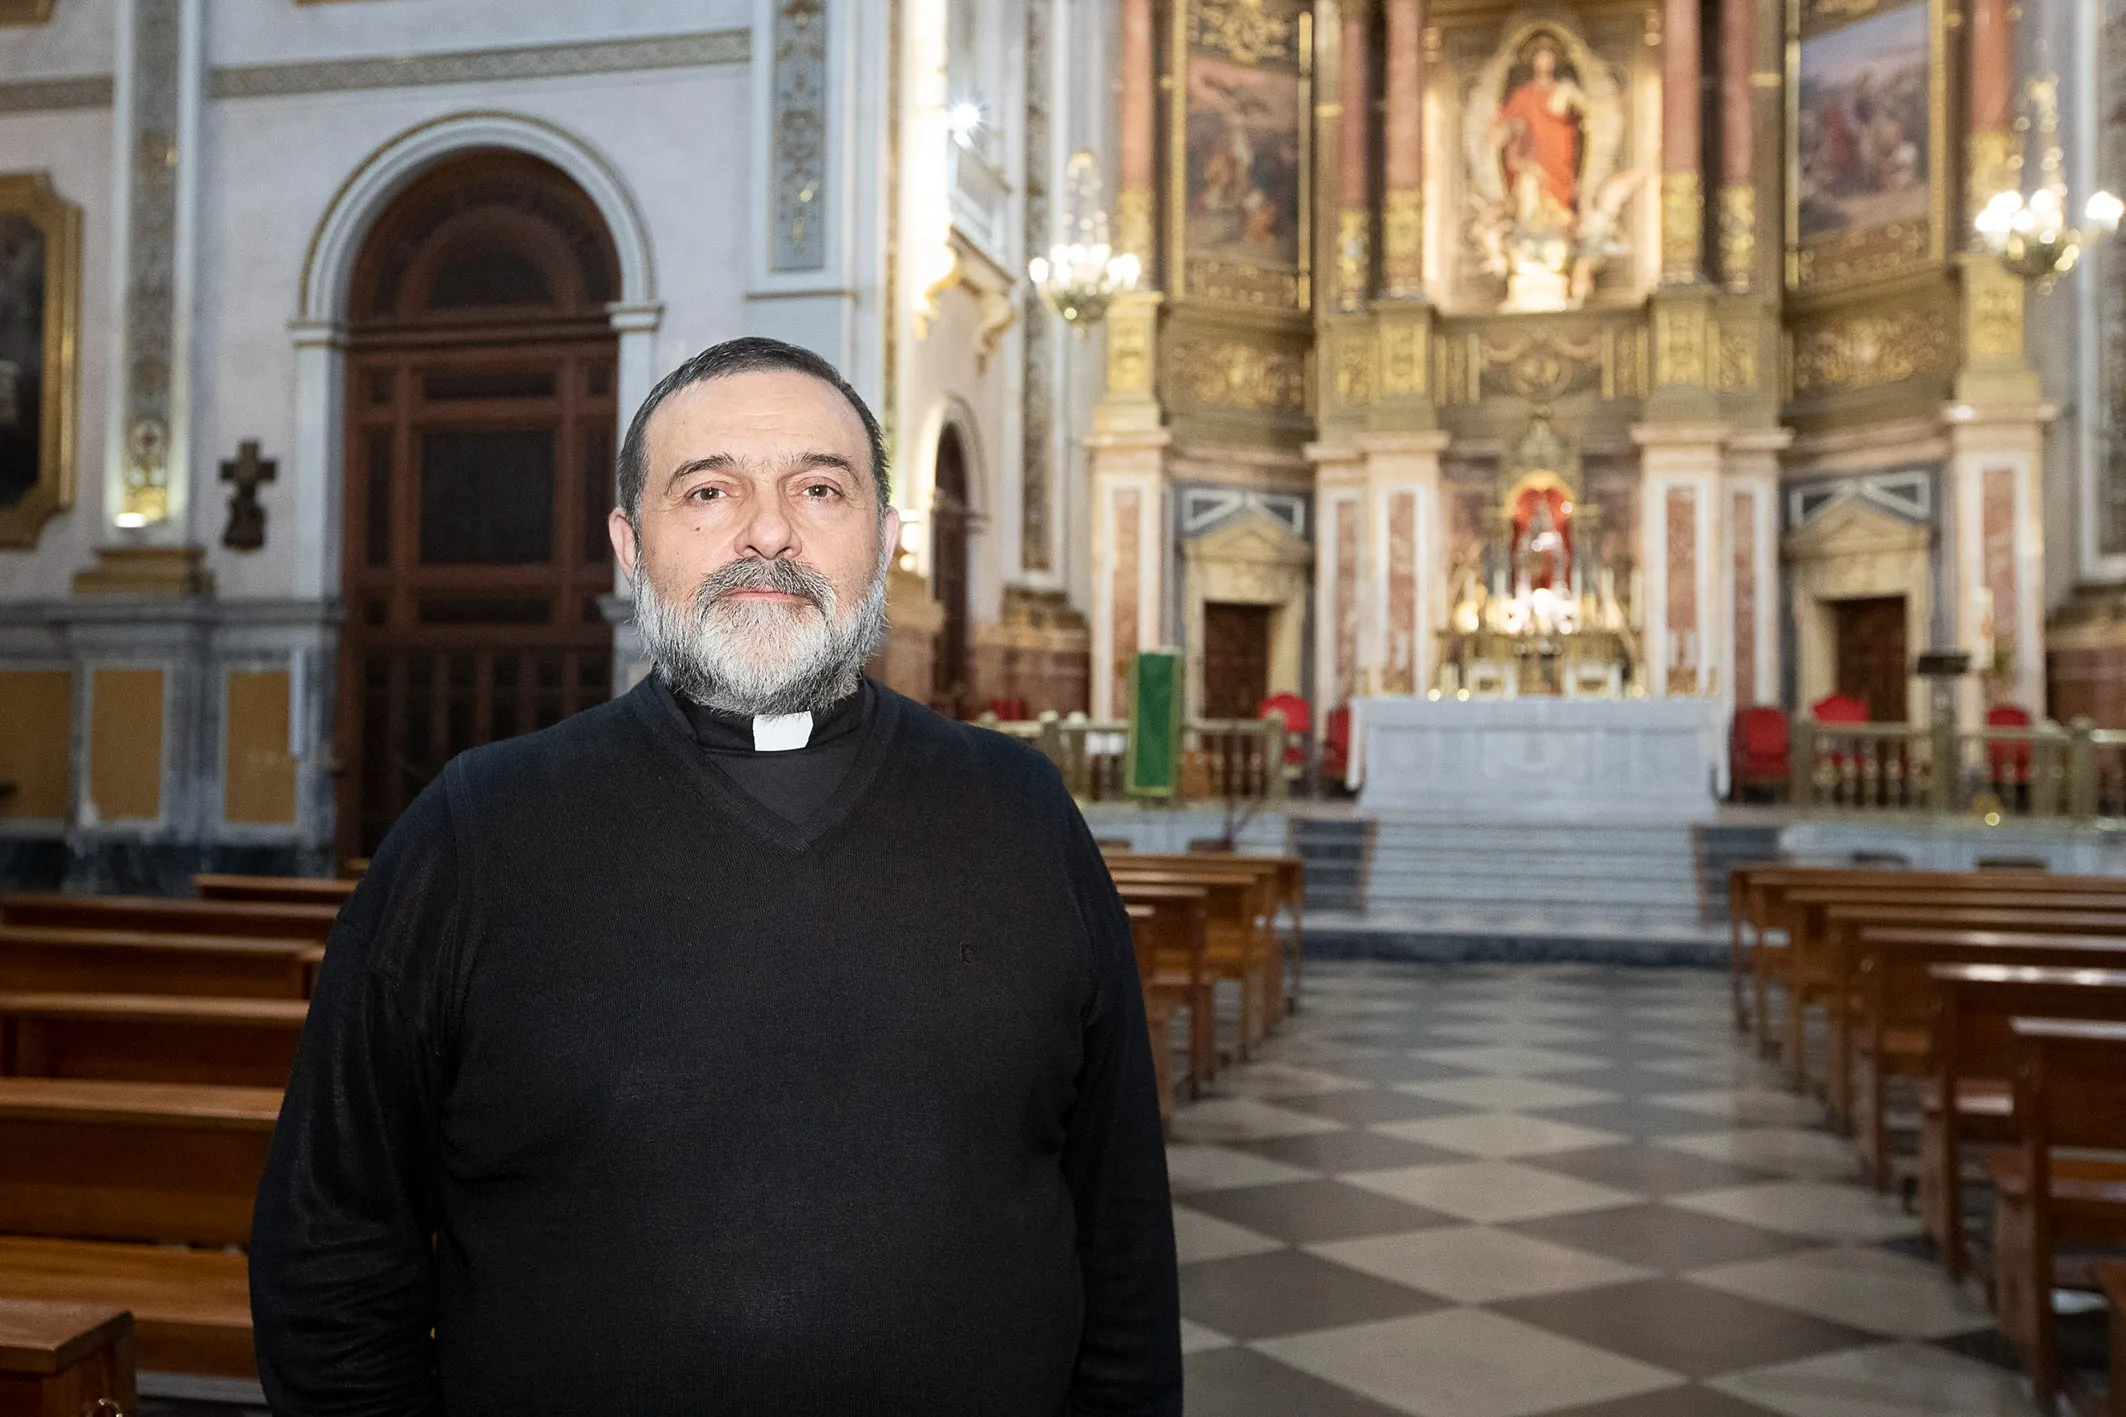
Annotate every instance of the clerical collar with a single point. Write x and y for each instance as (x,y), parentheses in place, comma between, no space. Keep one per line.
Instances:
(721,732)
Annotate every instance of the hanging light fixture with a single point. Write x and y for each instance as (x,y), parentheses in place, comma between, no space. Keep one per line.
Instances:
(1079,278)
(2033,235)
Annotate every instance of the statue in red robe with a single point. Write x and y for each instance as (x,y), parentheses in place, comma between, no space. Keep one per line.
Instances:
(1538,136)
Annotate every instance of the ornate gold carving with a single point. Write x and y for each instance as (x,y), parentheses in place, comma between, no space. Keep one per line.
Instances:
(1450,360)
(1738,236)
(1403,347)
(40,241)
(1353,259)
(1681,331)
(1236,374)
(1993,312)
(1244,30)
(1402,239)
(1735,357)
(1682,226)
(1357,364)
(1129,346)
(1865,350)
(1133,224)
(1243,284)
(1816,11)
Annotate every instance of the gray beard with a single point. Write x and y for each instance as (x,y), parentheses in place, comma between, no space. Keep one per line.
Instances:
(750,657)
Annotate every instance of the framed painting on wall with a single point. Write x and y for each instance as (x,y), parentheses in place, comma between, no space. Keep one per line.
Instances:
(40,304)
(1240,165)
(1867,164)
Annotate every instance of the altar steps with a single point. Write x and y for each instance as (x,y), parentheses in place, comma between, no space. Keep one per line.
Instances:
(1453,889)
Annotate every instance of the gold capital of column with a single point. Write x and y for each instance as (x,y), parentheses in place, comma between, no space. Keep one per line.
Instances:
(1993,162)
(1402,239)
(1131,399)
(1133,224)
(1354,259)
(1738,237)
(1682,226)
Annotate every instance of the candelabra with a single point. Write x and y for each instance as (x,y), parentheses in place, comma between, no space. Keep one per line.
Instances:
(2031,234)
(1079,278)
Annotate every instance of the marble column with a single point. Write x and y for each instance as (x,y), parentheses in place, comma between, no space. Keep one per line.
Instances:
(1402,582)
(1996,472)
(1129,562)
(1136,136)
(1751,479)
(1402,217)
(1354,245)
(1738,144)
(1991,50)
(1682,191)
(1339,573)
(1685,620)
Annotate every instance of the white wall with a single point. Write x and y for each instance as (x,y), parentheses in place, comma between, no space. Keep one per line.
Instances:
(275,31)
(273,166)
(78,39)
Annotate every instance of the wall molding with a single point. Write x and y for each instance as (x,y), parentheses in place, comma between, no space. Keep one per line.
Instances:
(54,95)
(472,66)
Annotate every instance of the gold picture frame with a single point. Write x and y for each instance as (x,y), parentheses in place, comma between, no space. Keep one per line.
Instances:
(40,238)
(1853,168)
(25,12)
(1269,39)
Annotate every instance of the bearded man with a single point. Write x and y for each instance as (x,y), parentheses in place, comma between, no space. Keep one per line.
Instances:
(758,1043)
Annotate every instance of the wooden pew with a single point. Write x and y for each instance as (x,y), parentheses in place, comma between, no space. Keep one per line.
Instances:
(1762,892)
(2111,1280)
(1291,895)
(275,920)
(2070,1092)
(132,1161)
(65,1359)
(1809,965)
(289,890)
(46,960)
(1972,1060)
(1238,943)
(1887,1025)
(150,1038)
(1159,1006)
(1842,925)
(191,1308)
(1181,967)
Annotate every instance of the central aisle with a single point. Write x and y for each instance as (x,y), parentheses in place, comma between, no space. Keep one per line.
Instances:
(1478,1191)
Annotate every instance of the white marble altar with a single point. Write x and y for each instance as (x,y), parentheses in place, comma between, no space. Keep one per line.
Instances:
(1555,759)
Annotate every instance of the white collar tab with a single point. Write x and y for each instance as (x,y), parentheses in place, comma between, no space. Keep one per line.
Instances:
(781,732)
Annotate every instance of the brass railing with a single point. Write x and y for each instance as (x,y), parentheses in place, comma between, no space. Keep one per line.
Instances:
(1222,759)
(2075,773)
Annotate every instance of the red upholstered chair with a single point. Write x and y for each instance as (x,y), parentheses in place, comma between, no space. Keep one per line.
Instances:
(1759,751)
(1839,708)
(2010,761)
(1336,744)
(1009,710)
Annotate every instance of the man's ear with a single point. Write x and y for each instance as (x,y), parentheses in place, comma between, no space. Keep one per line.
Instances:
(889,532)
(622,533)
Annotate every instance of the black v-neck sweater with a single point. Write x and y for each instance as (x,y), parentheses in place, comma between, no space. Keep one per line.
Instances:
(620,1093)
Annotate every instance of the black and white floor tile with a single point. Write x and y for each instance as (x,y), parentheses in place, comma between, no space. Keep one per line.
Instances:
(1496,1191)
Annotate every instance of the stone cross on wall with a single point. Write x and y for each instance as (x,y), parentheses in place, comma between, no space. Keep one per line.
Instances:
(246,530)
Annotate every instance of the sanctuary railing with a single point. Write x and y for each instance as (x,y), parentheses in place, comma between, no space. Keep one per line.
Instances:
(2047,771)
(1222,759)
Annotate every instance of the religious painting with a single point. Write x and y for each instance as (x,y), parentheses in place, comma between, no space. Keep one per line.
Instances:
(1242,167)
(1543,142)
(1866,195)
(40,245)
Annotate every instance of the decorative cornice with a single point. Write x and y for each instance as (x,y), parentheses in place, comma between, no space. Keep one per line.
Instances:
(472,66)
(51,95)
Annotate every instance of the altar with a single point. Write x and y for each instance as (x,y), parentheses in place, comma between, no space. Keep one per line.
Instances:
(1550,758)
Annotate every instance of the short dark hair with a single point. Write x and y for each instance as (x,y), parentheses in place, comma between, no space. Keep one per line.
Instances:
(745,355)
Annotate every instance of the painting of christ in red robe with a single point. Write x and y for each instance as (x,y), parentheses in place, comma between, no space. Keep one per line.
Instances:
(1539,133)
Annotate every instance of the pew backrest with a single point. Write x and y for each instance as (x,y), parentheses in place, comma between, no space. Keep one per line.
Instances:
(254,919)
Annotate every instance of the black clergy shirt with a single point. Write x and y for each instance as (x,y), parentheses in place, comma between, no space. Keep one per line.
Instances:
(794,783)
(621,1092)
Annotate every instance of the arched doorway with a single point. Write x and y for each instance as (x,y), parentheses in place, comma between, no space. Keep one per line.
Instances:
(950,515)
(480,413)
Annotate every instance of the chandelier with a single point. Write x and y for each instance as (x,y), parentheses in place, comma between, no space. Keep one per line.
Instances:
(1079,278)
(2032,235)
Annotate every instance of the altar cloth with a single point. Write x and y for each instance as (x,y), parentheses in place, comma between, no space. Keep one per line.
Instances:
(1577,759)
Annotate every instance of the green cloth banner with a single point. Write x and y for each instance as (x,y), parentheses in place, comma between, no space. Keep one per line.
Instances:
(1155,724)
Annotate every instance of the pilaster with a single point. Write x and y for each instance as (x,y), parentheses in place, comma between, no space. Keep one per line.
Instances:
(1685,616)
(1129,487)
(1402,580)
(1997,563)
(1339,571)
(1750,508)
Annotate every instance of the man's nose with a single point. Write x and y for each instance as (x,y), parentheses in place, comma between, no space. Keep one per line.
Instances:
(768,532)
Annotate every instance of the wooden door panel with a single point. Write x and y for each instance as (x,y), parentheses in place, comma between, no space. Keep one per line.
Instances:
(1872,655)
(1236,659)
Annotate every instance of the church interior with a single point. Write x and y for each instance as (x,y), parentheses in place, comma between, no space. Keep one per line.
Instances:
(1569,551)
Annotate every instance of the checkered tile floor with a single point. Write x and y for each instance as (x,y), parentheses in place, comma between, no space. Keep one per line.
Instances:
(1491,1191)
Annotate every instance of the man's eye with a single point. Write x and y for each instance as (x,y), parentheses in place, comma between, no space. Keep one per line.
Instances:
(703,494)
(820,490)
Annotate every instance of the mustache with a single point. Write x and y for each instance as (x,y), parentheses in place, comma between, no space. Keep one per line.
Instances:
(760,573)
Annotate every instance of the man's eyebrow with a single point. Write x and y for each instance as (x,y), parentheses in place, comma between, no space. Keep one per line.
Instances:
(826,460)
(714,462)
